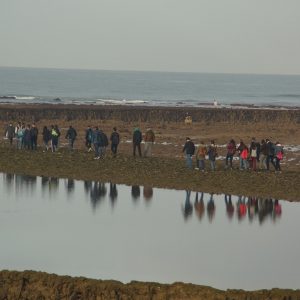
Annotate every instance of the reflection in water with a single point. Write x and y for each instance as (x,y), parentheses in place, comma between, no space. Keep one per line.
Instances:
(229,207)
(148,193)
(251,208)
(70,185)
(211,208)
(113,194)
(188,207)
(199,206)
(98,193)
(135,192)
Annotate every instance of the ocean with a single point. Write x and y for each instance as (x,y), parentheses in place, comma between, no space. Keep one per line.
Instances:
(100,87)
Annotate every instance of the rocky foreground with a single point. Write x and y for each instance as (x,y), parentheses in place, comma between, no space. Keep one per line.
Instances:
(39,286)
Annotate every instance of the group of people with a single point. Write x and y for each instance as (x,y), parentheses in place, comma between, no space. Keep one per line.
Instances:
(95,139)
(250,157)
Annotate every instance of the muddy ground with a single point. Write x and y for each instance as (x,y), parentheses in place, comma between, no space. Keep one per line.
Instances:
(31,285)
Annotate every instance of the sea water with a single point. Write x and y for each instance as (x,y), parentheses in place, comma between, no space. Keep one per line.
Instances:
(28,85)
(107,231)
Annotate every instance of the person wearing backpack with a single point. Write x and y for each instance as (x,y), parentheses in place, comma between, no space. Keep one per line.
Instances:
(149,141)
(212,154)
(278,151)
(243,155)
(231,148)
(71,136)
(115,140)
(189,150)
(136,140)
(200,156)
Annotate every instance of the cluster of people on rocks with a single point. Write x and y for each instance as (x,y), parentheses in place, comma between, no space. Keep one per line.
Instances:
(257,154)
(95,139)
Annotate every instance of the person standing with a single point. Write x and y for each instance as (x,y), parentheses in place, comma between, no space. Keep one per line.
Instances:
(71,136)
(54,138)
(243,154)
(231,148)
(278,156)
(20,137)
(270,155)
(27,137)
(34,135)
(253,155)
(96,141)
(189,150)
(115,140)
(212,154)
(149,141)
(103,144)
(263,155)
(200,156)
(136,140)
(10,133)
(89,138)
(46,137)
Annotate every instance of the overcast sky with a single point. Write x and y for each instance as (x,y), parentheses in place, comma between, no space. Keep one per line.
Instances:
(227,36)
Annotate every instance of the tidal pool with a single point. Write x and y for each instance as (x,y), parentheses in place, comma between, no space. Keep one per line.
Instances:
(107,231)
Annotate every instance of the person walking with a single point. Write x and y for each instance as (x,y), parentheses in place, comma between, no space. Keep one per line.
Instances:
(71,137)
(189,150)
(115,140)
(136,140)
(149,141)
(212,154)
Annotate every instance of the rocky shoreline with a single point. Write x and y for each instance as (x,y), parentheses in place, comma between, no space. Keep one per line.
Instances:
(31,285)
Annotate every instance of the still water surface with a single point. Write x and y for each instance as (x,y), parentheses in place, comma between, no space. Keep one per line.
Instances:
(107,231)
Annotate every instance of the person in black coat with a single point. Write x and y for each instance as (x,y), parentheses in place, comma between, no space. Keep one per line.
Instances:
(136,140)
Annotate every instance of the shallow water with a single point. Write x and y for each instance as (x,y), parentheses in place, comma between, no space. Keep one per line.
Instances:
(108,231)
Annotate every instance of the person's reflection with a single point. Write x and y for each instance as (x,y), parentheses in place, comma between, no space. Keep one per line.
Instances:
(148,193)
(113,193)
(187,208)
(199,206)
(251,208)
(53,185)
(135,193)
(276,210)
(87,186)
(229,206)
(97,193)
(70,186)
(9,180)
(241,208)
(211,208)
(44,184)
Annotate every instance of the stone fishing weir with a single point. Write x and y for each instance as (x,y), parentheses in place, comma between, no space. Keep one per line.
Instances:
(148,114)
